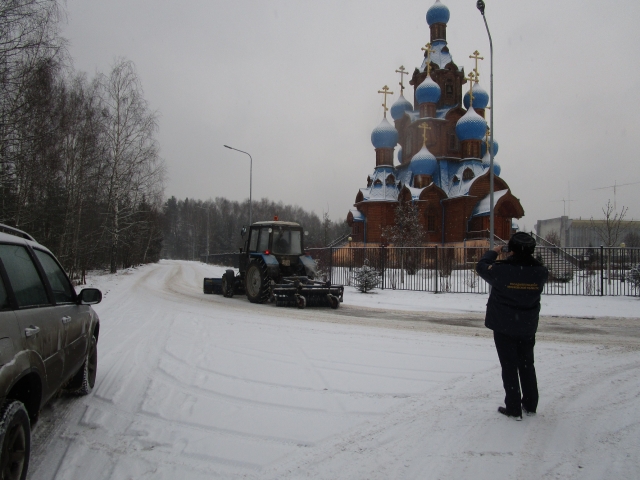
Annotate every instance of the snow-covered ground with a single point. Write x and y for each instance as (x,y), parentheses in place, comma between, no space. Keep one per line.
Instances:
(196,386)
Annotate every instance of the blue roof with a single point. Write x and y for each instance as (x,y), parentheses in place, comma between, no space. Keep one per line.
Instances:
(486,163)
(423,162)
(384,135)
(480,97)
(399,107)
(471,126)
(438,13)
(382,187)
(440,58)
(428,91)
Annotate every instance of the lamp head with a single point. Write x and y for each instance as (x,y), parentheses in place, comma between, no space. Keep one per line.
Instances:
(480,5)
(228,147)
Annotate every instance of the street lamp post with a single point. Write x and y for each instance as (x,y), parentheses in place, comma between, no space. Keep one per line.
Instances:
(250,177)
(207,209)
(480,4)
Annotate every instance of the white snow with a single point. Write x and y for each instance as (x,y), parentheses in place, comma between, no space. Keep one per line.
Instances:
(195,386)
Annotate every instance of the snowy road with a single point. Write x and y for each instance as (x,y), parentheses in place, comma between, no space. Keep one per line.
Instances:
(192,386)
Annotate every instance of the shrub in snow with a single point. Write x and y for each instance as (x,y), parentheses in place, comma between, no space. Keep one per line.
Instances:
(366,278)
(633,277)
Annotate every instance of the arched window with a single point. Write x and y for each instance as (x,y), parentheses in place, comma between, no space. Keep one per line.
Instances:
(468,174)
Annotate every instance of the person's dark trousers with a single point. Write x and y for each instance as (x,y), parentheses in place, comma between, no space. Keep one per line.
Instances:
(516,359)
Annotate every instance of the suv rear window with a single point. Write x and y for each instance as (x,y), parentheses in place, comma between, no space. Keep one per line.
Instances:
(4,300)
(23,275)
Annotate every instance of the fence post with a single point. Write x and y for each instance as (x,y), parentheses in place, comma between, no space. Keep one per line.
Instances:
(601,270)
(330,264)
(382,262)
(436,271)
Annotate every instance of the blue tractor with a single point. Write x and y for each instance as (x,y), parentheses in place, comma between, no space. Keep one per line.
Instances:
(274,268)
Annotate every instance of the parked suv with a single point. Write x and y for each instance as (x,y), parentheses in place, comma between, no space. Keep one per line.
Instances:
(48,341)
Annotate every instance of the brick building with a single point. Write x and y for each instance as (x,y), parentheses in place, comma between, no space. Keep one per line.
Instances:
(442,161)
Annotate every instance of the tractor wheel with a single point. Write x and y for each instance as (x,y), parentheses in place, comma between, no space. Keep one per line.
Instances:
(334,302)
(257,283)
(301,302)
(228,283)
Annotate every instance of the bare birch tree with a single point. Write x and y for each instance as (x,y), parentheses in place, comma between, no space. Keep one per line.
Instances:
(133,169)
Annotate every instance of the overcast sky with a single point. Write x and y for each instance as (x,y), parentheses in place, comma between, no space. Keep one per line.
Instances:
(294,83)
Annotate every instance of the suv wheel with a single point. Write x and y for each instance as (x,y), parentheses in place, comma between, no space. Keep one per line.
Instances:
(15,438)
(82,382)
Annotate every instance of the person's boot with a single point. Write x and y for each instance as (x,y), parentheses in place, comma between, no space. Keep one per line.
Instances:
(504,412)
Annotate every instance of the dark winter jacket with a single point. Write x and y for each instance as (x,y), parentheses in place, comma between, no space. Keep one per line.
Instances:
(514,303)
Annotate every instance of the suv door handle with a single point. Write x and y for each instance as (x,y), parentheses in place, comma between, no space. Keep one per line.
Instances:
(66,320)
(31,331)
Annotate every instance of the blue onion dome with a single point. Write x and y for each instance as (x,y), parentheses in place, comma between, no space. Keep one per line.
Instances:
(471,126)
(423,162)
(486,163)
(384,135)
(438,13)
(400,106)
(484,146)
(428,91)
(480,97)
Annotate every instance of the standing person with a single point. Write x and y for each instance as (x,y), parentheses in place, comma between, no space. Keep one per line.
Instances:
(512,313)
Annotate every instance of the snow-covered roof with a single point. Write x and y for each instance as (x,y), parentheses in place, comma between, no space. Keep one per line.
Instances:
(461,186)
(357,215)
(482,208)
(440,58)
(383,187)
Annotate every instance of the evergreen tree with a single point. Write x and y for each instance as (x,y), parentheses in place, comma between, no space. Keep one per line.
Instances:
(408,230)
(633,276)
(366,278)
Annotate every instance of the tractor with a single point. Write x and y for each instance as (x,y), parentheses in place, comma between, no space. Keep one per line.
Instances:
(274,268)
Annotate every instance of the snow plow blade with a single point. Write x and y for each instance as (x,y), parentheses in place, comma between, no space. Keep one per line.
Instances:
(212,285)
(303,292)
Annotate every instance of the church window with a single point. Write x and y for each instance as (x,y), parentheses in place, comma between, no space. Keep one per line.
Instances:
(454,144)
(378,182)
(391,180)
(467,174)
(431,223)
(448,88)
(456,179)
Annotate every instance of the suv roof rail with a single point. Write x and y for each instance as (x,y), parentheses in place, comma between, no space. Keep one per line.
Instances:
(16,232)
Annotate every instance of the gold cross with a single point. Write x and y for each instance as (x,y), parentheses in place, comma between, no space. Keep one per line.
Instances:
(424,127)
(488,138)
(427,48)
(471,78)
(476,56)
(402,73)
(385,91)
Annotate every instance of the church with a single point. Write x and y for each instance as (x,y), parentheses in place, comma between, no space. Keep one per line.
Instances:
(443,157)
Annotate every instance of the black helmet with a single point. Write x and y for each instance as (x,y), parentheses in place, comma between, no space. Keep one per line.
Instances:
(522,243)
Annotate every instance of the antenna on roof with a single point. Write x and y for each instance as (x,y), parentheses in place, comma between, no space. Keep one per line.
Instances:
(615,187)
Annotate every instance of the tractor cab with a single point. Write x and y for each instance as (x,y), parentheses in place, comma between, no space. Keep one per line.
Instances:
(283,240)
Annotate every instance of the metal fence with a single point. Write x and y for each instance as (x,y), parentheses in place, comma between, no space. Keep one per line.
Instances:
(572,271)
